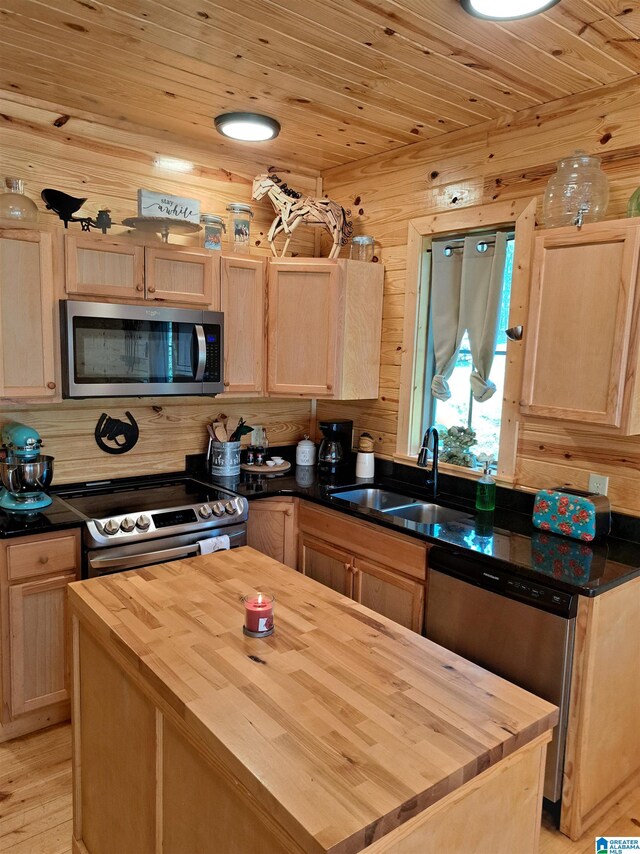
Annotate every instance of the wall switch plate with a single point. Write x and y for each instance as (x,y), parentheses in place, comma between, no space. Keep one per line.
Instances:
(598,483)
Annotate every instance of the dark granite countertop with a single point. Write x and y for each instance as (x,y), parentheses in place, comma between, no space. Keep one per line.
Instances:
(504,538)
(56,517)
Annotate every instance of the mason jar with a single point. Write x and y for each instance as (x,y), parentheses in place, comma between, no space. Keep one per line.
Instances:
(239,226)
(361,248)
(578,192)
(213,228)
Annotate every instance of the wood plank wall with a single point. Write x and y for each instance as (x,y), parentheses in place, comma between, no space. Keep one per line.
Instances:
(51,147)
(497,160)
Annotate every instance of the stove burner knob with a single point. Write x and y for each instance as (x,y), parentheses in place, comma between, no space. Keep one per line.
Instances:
(127,525)
(230,507)
(143,522)
(111,527)
(218,508)
(205,511)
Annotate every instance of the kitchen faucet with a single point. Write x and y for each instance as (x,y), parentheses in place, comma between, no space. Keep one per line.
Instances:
(431,482)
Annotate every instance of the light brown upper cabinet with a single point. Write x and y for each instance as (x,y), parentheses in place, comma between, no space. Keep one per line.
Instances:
(27,308)
(243,285)
(102,267)
(582,337)
(324,328)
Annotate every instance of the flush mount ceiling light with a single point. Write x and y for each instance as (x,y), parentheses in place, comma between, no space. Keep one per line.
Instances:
(506,10)
(249,127)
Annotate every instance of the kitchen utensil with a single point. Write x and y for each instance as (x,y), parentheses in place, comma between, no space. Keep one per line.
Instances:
(25,473)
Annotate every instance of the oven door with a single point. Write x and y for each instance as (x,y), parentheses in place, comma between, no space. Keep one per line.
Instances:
(124,350)
(105,561)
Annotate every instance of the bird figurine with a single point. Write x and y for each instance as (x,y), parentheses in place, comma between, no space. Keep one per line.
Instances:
(66,206)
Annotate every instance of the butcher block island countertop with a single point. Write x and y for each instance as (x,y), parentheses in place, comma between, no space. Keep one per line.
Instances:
(342,731)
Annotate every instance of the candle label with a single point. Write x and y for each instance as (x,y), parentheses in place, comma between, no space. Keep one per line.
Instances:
(265,623)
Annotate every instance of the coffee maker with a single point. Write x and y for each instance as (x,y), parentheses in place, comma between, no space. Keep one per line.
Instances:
(335,448)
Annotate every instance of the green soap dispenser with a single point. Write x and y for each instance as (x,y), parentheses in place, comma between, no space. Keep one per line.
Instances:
(486,490)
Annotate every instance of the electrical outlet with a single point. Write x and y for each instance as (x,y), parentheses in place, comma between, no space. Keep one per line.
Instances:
(598,483)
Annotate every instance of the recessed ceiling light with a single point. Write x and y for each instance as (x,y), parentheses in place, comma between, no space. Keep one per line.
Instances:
(506,10)
(174,164)
(249,127)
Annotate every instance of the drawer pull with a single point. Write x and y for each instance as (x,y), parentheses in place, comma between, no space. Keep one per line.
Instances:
(43,559)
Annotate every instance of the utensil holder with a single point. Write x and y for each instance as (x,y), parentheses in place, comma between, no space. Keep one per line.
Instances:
(224,460)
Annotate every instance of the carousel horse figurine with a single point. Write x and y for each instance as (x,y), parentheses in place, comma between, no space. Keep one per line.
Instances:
(293,208)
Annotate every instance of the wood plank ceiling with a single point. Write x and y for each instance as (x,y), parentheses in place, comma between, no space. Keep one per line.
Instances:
(346,78)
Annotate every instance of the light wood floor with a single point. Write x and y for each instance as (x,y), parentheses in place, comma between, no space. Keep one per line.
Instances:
(35,801)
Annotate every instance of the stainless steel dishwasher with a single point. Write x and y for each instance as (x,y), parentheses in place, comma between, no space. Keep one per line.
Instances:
(523,631)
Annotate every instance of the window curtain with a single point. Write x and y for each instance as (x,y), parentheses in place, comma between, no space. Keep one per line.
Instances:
(466,291)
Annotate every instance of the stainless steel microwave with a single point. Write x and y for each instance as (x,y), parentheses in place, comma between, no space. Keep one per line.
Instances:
(113,350)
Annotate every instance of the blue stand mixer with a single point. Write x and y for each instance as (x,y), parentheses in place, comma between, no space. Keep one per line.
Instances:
(25,472)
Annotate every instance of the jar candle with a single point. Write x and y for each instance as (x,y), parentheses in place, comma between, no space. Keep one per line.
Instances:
(361,248)
(212,229)
(239,226)
(258,615)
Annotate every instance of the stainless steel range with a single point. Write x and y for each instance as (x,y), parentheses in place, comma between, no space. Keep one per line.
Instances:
(141,521)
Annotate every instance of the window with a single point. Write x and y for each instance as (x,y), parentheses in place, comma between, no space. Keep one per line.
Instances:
(516,217)
(461,410)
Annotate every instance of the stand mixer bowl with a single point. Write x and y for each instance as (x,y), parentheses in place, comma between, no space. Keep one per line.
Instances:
(25,479)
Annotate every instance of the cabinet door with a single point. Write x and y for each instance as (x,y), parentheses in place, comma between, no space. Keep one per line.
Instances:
(183,275)
(271,529)
(37,644)
(242,300)
(104,268)
(27,360)
(303,328)
(389,594)
(580,322)
(326,564)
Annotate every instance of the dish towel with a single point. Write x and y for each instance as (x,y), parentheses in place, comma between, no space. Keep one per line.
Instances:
(214,544)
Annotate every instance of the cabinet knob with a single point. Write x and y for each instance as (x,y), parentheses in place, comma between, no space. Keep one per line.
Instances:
(151,290)
(139,287)
(43,559)
(227,383)
(51,385)
(329,386)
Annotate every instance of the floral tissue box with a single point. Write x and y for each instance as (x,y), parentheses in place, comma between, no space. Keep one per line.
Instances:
(581,515)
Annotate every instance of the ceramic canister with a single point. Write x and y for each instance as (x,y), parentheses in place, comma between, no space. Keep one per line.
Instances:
(305,452)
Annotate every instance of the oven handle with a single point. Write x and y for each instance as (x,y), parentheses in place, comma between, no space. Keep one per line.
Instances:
(202,352)
(142,559)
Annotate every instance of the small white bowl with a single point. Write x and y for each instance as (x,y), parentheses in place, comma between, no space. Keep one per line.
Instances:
(271,462)
(277,460)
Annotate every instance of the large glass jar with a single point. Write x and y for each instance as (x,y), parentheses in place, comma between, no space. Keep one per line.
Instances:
(213,228)
(578,192)
(14,205)
(239,226)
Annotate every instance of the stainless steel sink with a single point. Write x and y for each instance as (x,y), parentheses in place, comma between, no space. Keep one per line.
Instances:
(376,499)
(428,514)
(402,506)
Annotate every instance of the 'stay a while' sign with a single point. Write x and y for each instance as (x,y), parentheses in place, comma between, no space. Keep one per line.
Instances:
(168,206)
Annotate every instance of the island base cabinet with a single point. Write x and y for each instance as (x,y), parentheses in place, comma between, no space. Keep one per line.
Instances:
(144,782)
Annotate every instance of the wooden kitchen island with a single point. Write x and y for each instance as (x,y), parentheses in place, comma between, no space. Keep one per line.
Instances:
(342,731)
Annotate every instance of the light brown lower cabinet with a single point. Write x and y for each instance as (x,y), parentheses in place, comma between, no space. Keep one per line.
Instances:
(34,574)
(272,529)
(379,569)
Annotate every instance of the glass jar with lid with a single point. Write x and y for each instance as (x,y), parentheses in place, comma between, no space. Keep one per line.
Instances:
(361,248)
(578,192)
(239,226)
(213,228)
(14,205)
